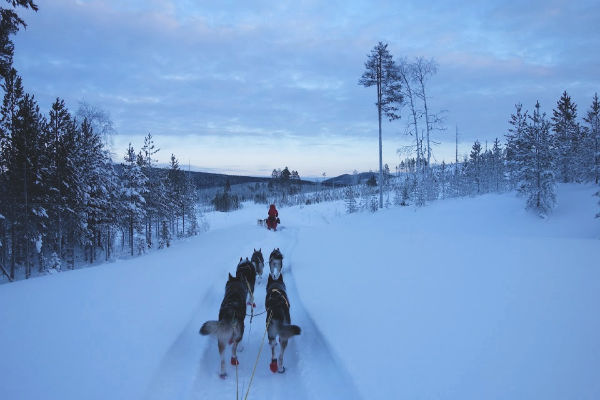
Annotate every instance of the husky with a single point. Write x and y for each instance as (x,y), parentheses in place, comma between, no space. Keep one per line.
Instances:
(247,273)
(230,326)
(258,261)
(277,305)
(275,263)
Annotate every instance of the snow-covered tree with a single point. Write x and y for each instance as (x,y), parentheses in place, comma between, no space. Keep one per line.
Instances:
(13,95)
(592,120)
(100,188)
(350,199)
(27,167)
(474,171)
(497,166)
(538,174)
(567,139)
(134,190)
(514,146)
(60,126)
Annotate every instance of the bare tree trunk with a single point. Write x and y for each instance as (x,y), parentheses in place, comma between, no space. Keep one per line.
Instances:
(6,273)
(422,69)
(379,105)
(131,233)
(27,266)
(404,74)
(13,244)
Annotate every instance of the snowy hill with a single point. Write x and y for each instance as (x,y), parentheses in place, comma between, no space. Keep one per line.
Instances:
(463,299)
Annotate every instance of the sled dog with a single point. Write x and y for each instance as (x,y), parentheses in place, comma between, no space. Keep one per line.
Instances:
(247,273)
(277,305)
(230,326)
(258,261)
(275,263)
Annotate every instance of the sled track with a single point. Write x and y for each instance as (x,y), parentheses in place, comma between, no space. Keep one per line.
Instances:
(190,368)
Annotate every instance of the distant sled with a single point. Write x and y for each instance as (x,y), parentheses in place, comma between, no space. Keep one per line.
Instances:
(263,222)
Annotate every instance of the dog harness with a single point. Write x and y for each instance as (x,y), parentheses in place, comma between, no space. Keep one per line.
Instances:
(283,296)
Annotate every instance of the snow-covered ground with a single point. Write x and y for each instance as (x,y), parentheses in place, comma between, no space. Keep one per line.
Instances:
(462,299)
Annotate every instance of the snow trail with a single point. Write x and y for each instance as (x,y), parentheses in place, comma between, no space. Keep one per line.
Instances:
(190,368)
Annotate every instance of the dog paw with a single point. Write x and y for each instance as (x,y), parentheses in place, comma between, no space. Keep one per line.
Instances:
(273,366)
(234,361)
(223,375)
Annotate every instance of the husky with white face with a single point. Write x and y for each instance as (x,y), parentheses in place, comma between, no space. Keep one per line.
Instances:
(277,305)
(275,263)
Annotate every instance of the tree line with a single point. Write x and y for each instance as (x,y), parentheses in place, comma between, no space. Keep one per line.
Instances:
(62,197)
(538,152)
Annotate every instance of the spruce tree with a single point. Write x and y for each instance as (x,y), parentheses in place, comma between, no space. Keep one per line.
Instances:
(350,200)
(13,94)
(60,126)
(567,139)
(514,145)
(10,23)
(475,161)
(175,188)
(27,165)
(133,191)
(497,166)
(538,172)
(592,119)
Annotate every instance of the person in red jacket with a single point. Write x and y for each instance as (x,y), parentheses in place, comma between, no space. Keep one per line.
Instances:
(273,219)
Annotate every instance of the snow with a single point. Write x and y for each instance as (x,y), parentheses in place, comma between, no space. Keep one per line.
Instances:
(464,298)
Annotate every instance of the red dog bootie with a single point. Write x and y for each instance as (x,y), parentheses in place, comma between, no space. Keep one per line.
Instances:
(234,361)
(273,365)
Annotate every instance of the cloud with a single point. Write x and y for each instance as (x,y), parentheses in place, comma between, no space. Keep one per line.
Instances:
(289,69)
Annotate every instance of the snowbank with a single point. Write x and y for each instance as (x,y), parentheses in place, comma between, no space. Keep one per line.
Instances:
(466,299)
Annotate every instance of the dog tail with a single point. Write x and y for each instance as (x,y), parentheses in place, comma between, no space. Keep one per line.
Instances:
(209,328)
(222,329)
(287,331)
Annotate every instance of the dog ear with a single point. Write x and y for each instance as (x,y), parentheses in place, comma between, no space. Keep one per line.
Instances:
(230,277)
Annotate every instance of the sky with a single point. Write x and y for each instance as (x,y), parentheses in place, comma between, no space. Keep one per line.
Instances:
(243,87)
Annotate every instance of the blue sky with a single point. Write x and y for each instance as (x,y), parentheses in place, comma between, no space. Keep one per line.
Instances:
(243,87)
